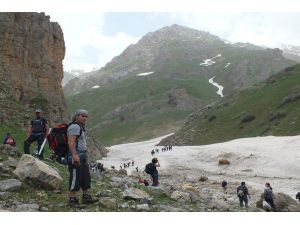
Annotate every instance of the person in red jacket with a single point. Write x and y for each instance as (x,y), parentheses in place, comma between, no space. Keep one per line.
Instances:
(9,140)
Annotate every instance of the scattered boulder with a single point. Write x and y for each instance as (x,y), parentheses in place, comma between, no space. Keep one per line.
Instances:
(10,185)
(135,193)
(21,207)
(11,163)
(224,162)
(109,203)
(8,149)
(194,192)
(35,172)
(218,205)
(142,207)
(4,169)
(247,118)
(203,178)
(123,172)
(181,196)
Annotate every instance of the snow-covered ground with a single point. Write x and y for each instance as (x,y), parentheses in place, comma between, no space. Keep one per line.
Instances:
(253,160)
(220,88)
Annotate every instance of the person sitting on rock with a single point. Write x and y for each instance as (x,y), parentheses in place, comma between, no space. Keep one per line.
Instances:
(268,196)
(9,140)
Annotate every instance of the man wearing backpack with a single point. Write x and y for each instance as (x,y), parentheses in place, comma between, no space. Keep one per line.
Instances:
(242,193)
(268,196)
(80,177)
(152,171)
(37,132)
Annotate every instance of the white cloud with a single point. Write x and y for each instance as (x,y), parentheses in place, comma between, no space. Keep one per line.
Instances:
(269,29)
(86,46)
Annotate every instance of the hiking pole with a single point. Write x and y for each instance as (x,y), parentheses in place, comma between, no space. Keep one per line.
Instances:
(44,142)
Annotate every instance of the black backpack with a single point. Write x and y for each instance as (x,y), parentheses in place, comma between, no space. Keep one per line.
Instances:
(58,141)
(149,168)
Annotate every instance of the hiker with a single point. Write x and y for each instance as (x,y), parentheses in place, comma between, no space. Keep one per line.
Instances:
(154,173)
(80,177)
(128,164)
(242,193)
(132,162)
(170,147)
(152,152)
(224,186)
(157,150)
(37,132)
(125,165)
(9,140)
(268,196)
(137,169)
(298,196)
(100,167)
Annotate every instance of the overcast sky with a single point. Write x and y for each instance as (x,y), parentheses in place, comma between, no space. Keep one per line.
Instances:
(94,35)
(93,39)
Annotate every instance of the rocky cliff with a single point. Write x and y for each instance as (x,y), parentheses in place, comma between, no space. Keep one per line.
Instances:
(31,52)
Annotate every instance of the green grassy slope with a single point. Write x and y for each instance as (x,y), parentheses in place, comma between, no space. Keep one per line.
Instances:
(149,114)
(270,108)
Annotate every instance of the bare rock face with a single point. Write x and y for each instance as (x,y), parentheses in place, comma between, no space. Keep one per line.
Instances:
(35,172)
(31,71)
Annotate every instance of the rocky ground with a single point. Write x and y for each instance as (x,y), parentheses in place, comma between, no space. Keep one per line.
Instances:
(24,188)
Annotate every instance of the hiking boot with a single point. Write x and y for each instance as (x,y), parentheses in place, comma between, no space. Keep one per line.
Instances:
(88,199)
(73,202)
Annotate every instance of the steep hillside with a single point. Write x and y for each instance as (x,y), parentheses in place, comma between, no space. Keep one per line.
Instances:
(270,108)
(32,50)
(149,89)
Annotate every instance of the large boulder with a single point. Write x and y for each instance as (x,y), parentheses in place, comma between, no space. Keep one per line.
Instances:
(283,203)
(35,172)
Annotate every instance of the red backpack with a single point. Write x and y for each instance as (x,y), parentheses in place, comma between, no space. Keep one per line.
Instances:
(10,141)
(58,141)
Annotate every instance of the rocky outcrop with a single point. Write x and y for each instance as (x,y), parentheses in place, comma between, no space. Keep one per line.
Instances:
(31,70)
(35,172)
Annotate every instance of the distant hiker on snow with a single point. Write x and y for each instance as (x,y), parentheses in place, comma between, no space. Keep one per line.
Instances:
(242,193)
(9,140)
(152,171)
(80,177)
(132,162)
(224,186)
(152,152)
(268,196)
(37,132)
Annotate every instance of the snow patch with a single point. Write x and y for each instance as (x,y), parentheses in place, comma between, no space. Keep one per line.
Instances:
(220,88)
(96,86)
(209,62)
(254,160)
(227,65)
(144,74)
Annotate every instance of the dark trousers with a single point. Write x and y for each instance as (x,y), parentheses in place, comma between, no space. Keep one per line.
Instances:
(79,176)
(271,203)
(243,199)
(154,179)
(34,137)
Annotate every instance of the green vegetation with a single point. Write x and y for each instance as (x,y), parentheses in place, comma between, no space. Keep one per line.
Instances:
(146,112)
(272,107)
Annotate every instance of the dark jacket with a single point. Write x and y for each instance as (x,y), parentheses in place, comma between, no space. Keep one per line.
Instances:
(268,193)
(244,189)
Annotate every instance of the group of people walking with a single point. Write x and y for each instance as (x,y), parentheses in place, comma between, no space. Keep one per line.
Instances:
(244,196)
(163,149)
